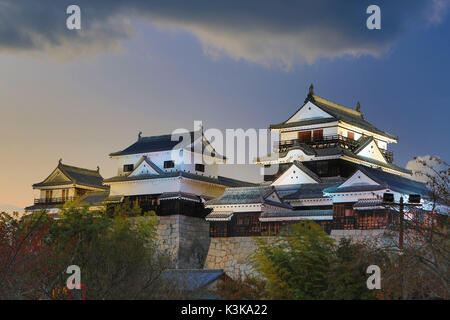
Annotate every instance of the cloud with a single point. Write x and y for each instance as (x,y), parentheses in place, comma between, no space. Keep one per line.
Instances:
(271,33)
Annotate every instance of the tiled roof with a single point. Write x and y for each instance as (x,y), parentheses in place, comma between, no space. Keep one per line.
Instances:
(161,143)
(395,182)
(310,191)
(114,199)
(219,216)
(228,182)
(192,279)
(369,204)
(385,180)
(179,195)
(325,214)
(349,117)
(277,204)
(80,176)
(94,197)
(356,188)
(392,166)
(302,123)
(41,206)
(244,195)
(150,144)
(338,112)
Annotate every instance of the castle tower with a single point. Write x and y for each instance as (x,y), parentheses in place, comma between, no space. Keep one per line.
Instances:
(169,175)
(331,140)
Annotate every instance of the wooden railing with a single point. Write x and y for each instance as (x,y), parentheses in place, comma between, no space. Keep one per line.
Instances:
(52,200)
(329,141)
(320,141)
(388,154)
(354,223)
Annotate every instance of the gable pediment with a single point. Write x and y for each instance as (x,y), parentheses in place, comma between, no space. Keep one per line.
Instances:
(273,197)
(372,151)
(358,179)
(309,111)
(295,175)
(145,167)
(57,176)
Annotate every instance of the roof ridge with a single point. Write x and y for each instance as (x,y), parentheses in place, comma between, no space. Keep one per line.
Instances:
(62,165)
(166,135)
(337,106)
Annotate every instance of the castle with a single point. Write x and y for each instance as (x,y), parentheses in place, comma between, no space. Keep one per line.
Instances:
(334,168)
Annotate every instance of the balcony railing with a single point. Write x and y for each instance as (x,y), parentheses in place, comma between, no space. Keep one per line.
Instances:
(354,223)
(389,155)
(53,200)
(320,142)
(329,141)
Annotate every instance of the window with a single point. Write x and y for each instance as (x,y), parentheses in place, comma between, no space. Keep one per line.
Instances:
(48,195)
(200,167)
(350,135)
(65,194)
(318,133)
(128,167)
(304,135)
(169,164)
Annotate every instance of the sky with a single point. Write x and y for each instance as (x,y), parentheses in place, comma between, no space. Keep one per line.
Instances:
(154,66)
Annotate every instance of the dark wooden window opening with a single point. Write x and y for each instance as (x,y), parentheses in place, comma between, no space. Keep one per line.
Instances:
(169,164)
(304,135)
(128,167)
(200,167)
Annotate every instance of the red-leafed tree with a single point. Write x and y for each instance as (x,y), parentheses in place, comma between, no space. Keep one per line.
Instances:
(29,265)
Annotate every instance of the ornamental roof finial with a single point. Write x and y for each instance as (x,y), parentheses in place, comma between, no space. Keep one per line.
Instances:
(98,168)
(60,161)
(139,135)
(358,107)
(310,96)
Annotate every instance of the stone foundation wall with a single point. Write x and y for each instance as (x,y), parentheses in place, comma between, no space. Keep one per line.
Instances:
(231,255)
(380,237)
(185,239)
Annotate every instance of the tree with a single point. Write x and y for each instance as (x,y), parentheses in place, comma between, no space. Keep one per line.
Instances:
(420,270)
(295,263)
(348,264)
(118,256)
(27,260)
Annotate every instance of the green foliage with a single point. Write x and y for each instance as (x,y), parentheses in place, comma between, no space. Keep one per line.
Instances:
(118,255)
(303,262)
(295,264)
(347,274)
(127,209)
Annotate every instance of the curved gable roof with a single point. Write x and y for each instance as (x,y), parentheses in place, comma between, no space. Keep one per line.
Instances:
(80,176)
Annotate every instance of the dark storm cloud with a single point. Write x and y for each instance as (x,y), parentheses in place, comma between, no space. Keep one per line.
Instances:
(267,32)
